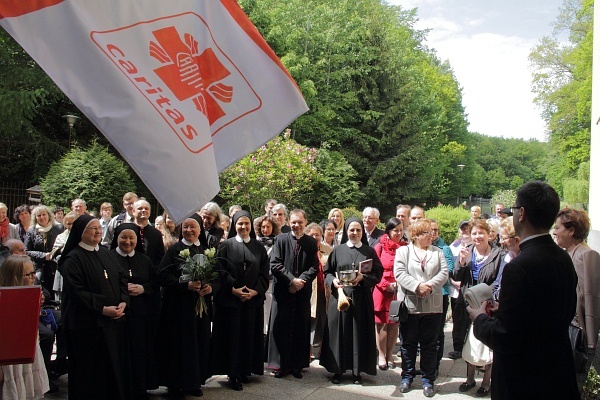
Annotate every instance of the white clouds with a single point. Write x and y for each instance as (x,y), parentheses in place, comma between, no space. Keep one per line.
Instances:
(493,70)
(490,61)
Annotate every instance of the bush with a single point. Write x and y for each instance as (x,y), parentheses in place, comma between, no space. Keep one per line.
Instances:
(506,197)
(448,218)
(591,387)
(92,174)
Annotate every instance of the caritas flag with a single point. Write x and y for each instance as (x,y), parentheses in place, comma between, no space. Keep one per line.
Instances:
(182,89)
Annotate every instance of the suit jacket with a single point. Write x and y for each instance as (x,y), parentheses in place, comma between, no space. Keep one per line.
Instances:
(153,244)
(587,266)
(529,332)
(409,274)
(375,235)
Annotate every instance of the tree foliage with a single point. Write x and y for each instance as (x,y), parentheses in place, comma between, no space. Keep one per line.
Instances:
(562,82)
(296,175)
(90,173)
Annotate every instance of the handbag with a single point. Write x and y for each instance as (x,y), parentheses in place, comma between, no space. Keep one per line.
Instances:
(476,353)
(578,346)
(398,311)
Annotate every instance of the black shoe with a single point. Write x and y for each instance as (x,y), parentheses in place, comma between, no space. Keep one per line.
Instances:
(465,387)
(244,379)
(357,379)
(482,392)
(383,367)
(235,383)
(53,388)
(194,392)
(297,374)
(279,374)
(52,376)
(391,365)
(337,379)
(428,391)
(405,387)
(455,355)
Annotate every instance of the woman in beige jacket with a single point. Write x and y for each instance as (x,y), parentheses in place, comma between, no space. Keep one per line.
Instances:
(421,271)
(570,231)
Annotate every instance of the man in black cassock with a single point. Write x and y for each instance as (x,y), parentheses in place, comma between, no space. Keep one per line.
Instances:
(294,264)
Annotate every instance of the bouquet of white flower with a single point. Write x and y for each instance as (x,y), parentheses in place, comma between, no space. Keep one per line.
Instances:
(200,267)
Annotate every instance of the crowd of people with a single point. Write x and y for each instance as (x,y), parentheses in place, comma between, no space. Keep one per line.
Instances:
(280,292)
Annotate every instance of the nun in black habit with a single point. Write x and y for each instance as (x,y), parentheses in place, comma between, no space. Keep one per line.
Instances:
(184,336)
(94,303)
(144,306)
(239,317)
(349,337)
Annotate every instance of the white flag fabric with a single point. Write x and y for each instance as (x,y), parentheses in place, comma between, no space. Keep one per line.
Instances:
(182,89)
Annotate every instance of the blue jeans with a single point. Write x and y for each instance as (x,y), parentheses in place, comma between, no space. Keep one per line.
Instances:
(420,330)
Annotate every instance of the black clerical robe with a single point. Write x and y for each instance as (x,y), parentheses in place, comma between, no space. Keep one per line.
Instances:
(142,320)
(184,337)
(288,345)
(98,367)
(237,342)
(349,337)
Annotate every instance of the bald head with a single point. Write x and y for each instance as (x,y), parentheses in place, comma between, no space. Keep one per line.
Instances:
(15,247)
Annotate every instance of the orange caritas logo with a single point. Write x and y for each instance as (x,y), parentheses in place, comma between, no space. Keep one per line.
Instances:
(192,84)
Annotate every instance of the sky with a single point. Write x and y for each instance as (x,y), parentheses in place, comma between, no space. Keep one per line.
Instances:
(487,44)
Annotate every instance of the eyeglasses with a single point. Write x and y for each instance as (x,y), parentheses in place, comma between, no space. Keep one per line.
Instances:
(426,233)
(30,275)
(515,207)
(435,230)
(95,228)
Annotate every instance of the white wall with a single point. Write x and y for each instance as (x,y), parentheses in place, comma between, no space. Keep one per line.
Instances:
(594,201)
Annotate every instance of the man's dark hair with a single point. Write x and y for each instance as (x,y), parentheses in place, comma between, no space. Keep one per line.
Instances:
(541,202)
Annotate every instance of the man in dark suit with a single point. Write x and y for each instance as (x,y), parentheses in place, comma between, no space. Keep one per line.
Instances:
(529,330)
(370,220)
(151,237)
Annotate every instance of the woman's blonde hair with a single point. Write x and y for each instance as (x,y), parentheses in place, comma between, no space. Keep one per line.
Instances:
(12,270)
(341,224)
(39,208)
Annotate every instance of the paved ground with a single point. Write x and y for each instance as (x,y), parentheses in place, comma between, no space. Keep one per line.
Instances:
(316,385)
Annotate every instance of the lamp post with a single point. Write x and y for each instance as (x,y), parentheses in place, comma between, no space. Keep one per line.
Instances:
(461,167)
(71,119)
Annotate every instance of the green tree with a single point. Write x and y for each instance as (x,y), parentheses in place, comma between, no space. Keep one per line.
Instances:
(90,173)
(506,197)
(562,82)
(335,184)
(577,190)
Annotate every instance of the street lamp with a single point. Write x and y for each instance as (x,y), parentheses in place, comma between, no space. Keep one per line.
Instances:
(71,119)
(461,167)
